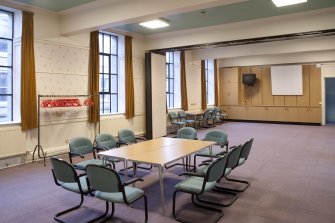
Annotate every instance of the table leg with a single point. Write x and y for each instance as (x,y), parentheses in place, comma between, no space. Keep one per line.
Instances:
(211,152)
(161,179)
(125,165)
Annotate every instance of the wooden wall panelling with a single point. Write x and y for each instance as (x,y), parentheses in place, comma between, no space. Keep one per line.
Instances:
(256,90)
(222,87)
(303,100)
(286,114)
(314,86)
(245,91)
(229,86)
(290,100)
(309,114)
(267,97)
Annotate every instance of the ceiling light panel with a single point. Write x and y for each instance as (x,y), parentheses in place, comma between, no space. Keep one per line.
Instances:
(155,24)
(280,3)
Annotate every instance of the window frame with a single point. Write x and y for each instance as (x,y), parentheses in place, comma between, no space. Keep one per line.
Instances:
(170,70)
(11,68)
(109,74)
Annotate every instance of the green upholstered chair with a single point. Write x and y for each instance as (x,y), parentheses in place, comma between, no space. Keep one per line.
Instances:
(185,133)
(66,177)
(197,184)
(174,119)
(204,120)
(106,185)
(213,117)
(231,162)
(81,146)
(245,151)
(221,115)
(183,117)
(221,139)
(127,136)
(105,141)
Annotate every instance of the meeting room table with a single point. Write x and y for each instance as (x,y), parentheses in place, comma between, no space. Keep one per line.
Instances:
(158,152)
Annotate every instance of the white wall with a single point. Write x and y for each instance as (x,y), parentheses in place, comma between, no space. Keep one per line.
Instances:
(62,68)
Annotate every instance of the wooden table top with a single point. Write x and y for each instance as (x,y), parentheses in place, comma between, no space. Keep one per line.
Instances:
(158,151)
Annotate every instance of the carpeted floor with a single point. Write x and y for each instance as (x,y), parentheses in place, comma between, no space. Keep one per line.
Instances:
(291,170)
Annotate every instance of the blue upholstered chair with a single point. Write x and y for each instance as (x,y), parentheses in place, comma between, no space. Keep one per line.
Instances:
(243,156)
(81,146)
(221,139)
(183,117)
(66,177)
(105,141)
(197,184)
(185,133)
(106,185)
(174,119)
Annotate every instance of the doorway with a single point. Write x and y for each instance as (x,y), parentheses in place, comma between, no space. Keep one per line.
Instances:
(330,100)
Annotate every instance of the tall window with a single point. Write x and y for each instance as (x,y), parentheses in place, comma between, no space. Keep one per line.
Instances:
(108,47)
(210,94)
(173,98)
(6,66)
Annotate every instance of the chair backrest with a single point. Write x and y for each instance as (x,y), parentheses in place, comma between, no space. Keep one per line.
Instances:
(106,141)
(127,135)
(216,168)
(103,179)
(214,112)
(246,148)
(187,133)
(182,114)
(173,117)
(233,157)
(218,136)
(63,171)
(206,114)
(81,145)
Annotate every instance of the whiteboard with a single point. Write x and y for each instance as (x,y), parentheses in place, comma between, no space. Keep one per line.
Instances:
(286,80)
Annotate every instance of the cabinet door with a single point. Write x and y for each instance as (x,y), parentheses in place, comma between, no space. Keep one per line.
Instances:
(315,86)
(315,115)
(286,114)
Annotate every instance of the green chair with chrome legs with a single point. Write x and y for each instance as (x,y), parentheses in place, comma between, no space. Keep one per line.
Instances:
(221,139)
(106,185)
(197,184)
(66,177)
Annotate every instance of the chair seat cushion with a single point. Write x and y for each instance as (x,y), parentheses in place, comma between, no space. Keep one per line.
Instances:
(74,186)
(203,170)
(206,153)
(132,194)
(179,123)
(194,185)
(82,165)
(114,160)
(189,121)
(241,161)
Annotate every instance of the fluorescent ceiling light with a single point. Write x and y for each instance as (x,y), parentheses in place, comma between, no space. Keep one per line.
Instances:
(154,24)
(280,3)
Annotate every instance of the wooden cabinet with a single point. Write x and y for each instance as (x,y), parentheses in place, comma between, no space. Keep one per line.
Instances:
(229,86)
(309,114)
(286,114)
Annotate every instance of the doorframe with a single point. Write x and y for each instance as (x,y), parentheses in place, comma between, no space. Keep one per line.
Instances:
(327,70)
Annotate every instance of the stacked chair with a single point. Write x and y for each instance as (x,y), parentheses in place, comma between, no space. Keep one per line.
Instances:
(175,120)
(183,118)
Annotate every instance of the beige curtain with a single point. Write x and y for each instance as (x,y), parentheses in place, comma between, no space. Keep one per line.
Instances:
(203,86)
(93,79)
(129,88)
(183,85)
(28,78)
(216,84)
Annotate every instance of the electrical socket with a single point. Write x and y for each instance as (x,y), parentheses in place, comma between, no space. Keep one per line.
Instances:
(67,141)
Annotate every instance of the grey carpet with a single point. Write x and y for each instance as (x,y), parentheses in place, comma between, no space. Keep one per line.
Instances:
(291,170)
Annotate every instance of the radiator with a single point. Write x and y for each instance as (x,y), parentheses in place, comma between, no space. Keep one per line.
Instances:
(12,142)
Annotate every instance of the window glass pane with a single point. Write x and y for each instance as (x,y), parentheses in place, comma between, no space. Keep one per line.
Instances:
(171,70)
(101,64)
(106,104)
(114,84)
(114,103)
(100,43)
(5,108)
(171,101)
(106,64)
(114,64)
(114,45)
(6,21)
(107,45)
(106,83)
(171,85)
(5,53)
(5,80)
